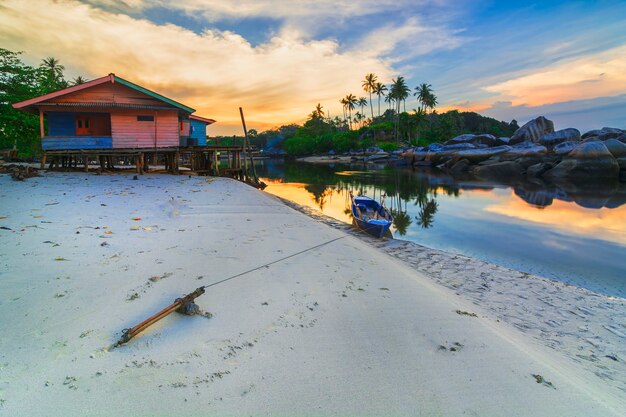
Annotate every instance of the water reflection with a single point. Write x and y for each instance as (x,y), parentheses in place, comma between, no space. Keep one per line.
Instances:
(573,233)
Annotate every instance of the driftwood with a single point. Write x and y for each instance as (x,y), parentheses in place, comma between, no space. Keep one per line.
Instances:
(19,172)
(184,305)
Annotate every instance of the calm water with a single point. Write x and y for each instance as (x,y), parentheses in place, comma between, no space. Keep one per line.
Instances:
(571,234)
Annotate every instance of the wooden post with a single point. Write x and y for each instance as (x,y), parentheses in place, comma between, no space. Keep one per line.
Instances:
(41,130)
(86,161)
(43,159)
(141,163)
(176,159)
(247,144)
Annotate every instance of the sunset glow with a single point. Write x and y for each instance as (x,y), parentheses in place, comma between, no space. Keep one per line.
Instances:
(278,59)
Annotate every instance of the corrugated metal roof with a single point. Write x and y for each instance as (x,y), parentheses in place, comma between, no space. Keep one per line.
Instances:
(108,105)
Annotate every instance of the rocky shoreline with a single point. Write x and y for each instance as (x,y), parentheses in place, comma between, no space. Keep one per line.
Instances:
(536,151)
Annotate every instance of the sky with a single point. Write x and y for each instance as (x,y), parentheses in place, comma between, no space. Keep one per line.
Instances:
(278,59)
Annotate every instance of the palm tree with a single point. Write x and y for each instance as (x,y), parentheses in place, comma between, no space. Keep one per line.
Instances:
(425,96)
(369,85)
(431,102)
(362,103)
(344,107)
(379,90)
(52,65)
(351,102)
(52,73)
(79,80)
(400,91)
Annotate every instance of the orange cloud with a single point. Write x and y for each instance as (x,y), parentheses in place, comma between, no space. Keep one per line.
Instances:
(215,72)
(598,75)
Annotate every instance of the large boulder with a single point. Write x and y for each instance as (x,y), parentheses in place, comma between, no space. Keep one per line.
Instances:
(459,146)
(617,148)
(604,133)
(533,130)
(565,147)
(506,169)
(502,141)
(526,149)
(610,135)
(477,155)
(589,160)
(485,139)
(622,138)
(552,139)
(468,138)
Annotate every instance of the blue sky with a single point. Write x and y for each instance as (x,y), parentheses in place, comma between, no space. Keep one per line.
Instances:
(278,59)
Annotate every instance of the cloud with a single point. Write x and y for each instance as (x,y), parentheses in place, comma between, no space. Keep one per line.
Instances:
(408,40)
(581,114)
(596,75)
(213,10)
(214,72)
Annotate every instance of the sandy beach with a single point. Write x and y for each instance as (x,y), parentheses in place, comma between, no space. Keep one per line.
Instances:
(320,320)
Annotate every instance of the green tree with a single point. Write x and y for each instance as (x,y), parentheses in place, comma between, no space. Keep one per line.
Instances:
(18,82)
(362,103)
(369,85)
(79,80)
(52,75)
(350,103)
(379,90)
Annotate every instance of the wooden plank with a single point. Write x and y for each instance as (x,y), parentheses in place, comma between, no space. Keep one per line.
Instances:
(76,142)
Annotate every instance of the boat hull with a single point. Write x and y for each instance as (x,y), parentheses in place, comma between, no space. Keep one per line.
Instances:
(370,216)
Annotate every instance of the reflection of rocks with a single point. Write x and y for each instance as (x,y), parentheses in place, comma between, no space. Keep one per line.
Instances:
(593,195)
(506,169)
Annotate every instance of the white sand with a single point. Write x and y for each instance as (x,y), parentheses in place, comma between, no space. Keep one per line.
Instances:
(343,329)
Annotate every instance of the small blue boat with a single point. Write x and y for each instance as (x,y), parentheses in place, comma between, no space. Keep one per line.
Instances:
(371,216)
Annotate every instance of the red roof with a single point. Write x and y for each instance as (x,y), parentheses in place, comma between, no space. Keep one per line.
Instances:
(202,119)
(112,78)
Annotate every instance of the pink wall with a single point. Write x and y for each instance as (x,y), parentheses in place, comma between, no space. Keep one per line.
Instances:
(128,132)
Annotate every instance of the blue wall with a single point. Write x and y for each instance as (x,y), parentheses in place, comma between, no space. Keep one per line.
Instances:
(61,123)
(199,131)
(77,142)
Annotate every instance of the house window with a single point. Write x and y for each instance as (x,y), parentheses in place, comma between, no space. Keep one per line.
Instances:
(145,118)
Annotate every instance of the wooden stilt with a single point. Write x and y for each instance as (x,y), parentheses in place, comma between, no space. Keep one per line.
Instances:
(43,160)
(86,162)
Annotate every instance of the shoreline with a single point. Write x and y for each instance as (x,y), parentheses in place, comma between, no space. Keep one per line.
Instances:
(587,327)
(320,314)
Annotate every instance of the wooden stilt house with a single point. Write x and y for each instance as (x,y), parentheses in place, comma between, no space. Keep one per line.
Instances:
(107,113)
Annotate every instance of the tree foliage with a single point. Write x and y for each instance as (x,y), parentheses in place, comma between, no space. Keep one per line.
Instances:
(19,82)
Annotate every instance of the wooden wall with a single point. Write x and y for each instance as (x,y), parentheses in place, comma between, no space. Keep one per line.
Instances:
(109,93)
(128,132)
(199,131)
(61,123)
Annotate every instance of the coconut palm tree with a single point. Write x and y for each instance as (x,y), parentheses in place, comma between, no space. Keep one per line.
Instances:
(52,65)
(52,73)
(425,96)
(351,102)
(379,90)
(344,107)
(368,85)
(431,102)
(79,80)
(400,91)
(362,103)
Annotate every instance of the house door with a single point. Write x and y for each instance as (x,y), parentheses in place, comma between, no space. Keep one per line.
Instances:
(82,125)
